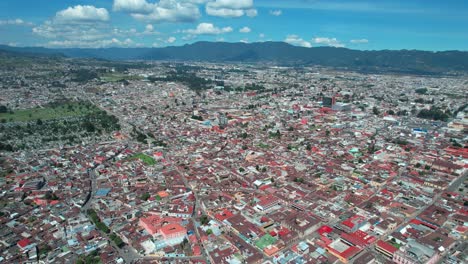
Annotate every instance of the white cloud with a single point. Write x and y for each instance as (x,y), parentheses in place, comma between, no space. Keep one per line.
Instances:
(162,11)
(103,43)
(208,29)
(149,28)
(86,31)
(232,4)
(332,42)
(251,12)
(16,22)
(231,8)
(224,12)
(261,35)
(171,40)
(245,30)
(297,41)
(244,40)
(359,41)
(132,6)
(276,12)
(82,14)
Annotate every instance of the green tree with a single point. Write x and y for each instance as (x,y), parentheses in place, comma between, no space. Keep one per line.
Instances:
(204,219)
(3,109)
(145,196)
(375,111)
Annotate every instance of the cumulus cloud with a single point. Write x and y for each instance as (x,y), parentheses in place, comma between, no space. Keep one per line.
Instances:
(297,41)
(76,23)
(245,30)
(276,12)
(332,42)
(103,43)
(149,28)
(208,29)
(15,22)
(261,35)
(162,11)
(81,13)
(132,6)
(171,40)
(251,12)
(231,8)
(359,41)
(232,4)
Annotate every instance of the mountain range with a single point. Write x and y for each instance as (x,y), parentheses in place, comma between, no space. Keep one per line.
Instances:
(280,53)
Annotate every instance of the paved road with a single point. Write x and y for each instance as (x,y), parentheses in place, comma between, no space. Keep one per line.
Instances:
(128,253)
(196,207)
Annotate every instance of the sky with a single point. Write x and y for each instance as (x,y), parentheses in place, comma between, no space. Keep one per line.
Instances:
(432,25)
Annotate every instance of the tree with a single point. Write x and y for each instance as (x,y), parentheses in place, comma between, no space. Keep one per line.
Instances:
(3,109)
(39,122)
(209,232)
(204,219)
(421,91)
(145,196)
(375,111)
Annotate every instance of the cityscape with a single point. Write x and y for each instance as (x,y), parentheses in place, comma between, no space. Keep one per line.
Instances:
(179,157)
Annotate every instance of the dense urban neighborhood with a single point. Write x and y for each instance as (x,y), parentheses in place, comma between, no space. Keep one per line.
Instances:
(177,162)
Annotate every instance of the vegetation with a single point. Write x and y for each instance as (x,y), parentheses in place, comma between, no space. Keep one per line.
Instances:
(3,109)
(434,113)
(97,221)
(66,122)
(276,134)
(204,219)
(92,258)
(299,180)
(51,111)
(119,77)
(147,160)
(84,75)
(375,111)
(117,240)
(199,118)
(145,196)
(421,91)
(191,80)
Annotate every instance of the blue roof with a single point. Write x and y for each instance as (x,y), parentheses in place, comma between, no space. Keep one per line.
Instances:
(103,191)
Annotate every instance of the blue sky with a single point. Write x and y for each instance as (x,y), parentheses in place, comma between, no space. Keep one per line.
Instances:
(361,24)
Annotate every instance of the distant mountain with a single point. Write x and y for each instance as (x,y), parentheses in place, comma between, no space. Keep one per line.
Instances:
(404,61)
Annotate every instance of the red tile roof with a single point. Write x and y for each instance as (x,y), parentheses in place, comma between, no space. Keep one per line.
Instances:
(386,246)
(23,243)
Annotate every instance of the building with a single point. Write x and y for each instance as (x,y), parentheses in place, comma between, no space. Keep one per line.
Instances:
(352,224)
(328,101)
(341,107)
(385,248)
(268,202)
(173,232)
(416,253)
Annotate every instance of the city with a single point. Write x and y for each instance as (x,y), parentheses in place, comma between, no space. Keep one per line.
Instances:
(303,165)
(233,132)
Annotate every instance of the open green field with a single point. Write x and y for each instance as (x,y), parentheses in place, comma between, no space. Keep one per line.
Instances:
(49,112)
(145,158)
(265,241)
(115,77)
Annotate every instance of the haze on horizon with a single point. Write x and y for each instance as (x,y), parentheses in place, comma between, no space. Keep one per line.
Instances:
(362,24)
